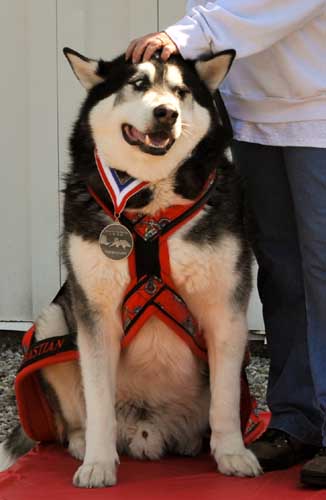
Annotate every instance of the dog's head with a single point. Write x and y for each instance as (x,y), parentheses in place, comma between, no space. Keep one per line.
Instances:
(147,118)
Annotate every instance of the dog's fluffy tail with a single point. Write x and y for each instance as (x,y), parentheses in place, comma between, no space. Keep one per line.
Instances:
(16,445)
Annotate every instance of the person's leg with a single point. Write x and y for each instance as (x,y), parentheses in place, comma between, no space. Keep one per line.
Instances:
(306,169)
(290,394)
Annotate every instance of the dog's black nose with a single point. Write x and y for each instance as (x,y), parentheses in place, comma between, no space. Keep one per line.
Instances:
(165,115)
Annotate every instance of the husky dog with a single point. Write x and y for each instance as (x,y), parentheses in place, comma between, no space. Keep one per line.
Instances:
(155,122)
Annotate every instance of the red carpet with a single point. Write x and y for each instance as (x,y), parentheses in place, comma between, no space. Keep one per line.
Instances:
(45,474)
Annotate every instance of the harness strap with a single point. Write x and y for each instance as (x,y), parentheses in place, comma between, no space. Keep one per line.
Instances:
(46,348)
(34,410)
(151,296)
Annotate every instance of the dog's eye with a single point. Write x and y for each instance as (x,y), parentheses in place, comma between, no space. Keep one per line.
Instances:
(181,92)
(140,84)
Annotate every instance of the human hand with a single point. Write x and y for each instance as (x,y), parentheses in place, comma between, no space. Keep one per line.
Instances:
(144,47)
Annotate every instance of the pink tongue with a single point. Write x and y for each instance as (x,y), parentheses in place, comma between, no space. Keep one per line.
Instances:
(136,134)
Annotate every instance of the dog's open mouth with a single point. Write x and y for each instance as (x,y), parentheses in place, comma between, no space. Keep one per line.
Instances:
(155,143)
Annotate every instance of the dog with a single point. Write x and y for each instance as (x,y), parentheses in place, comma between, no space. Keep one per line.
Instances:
(156,123)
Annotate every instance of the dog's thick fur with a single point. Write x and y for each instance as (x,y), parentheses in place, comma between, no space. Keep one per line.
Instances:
(155,396)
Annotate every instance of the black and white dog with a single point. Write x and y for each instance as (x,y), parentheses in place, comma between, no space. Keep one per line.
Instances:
(155,122)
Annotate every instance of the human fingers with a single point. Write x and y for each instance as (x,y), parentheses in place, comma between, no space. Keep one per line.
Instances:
(141,45)
(151,48)
(168,50)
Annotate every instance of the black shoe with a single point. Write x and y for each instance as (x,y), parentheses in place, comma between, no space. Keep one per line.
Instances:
(277,450)
(313,473)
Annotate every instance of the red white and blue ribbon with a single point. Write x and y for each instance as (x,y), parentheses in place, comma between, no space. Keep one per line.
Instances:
(119,191)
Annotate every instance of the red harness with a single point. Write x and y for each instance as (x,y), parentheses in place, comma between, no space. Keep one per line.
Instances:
(151,292)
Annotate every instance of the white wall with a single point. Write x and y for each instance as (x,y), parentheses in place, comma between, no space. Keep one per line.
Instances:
(29,174)
(14,186)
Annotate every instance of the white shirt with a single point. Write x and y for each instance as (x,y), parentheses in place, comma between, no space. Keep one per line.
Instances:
(276,90)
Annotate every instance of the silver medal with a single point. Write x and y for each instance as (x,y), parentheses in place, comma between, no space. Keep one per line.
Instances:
(116,241)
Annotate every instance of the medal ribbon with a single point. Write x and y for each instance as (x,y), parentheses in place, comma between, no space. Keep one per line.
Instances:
(120,192)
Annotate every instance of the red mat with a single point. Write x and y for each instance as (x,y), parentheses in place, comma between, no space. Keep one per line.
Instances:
(46,473)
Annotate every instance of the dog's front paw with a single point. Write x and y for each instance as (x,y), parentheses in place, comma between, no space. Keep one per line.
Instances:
(242,464)
(77,444)
(231,456)
(96,475)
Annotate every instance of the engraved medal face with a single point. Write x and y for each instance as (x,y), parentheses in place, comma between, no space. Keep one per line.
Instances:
(116,241)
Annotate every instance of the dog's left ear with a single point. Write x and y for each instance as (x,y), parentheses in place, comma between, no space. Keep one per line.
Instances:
(85,69)
(213,70)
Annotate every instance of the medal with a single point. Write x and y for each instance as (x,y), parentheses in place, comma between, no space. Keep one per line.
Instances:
(116,241)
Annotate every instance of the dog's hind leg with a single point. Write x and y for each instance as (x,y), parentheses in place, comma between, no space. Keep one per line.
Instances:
(77,444)
(99,356)
(226,335)
(65,380)
(63,384)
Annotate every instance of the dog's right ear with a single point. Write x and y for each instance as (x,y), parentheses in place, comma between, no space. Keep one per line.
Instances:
(85,69)
(213,69)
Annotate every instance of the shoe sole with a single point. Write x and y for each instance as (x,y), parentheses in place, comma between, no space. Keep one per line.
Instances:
(272,466)
(311,479)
